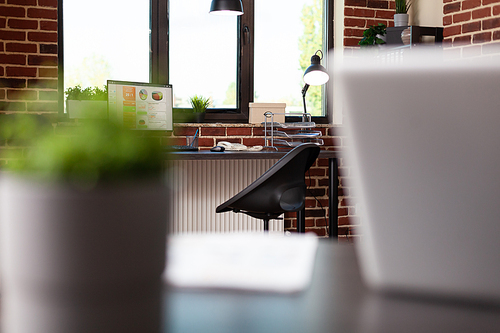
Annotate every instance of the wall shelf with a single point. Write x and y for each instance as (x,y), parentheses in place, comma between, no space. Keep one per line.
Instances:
(416,34)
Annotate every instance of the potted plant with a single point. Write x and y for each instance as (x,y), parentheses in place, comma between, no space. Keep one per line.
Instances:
(196,114)
(87,103)
(401,16)
(374,35)
(83,230)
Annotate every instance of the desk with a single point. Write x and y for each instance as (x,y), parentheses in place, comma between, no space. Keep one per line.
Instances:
(301,216)
(337,301)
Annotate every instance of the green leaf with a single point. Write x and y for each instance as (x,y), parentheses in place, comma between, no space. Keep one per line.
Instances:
(370,35)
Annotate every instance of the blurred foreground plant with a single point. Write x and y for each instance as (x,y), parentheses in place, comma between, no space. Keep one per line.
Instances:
(95,152)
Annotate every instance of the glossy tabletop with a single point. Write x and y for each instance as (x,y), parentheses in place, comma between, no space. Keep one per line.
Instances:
(337,301)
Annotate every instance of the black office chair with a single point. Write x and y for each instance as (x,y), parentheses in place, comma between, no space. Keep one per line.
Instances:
(280,189)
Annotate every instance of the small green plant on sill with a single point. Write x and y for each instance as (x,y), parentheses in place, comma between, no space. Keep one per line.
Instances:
(76,93)
(93,153)
(402,6)
(199,103)
(370,35)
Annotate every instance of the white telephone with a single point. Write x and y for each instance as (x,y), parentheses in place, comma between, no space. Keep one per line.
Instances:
(237,146)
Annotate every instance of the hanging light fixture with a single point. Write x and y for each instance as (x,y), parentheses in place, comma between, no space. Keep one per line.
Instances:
(315,75)
(226,7)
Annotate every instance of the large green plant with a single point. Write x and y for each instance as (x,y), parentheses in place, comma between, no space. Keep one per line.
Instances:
(370,35)
(92,153)
(402,6)
(87,94)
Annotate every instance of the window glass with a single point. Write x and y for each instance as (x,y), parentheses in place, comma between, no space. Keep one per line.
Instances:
(202,54)
(287,34)
(105,40)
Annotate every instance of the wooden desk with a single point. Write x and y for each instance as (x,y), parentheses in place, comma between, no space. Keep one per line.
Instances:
(301,216)
(337,301)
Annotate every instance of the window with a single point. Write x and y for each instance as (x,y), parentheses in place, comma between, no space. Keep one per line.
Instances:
(178,42)
(113,44)
(284,45)
(203,54)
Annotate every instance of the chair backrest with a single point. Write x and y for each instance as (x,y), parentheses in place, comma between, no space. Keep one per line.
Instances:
(280,189)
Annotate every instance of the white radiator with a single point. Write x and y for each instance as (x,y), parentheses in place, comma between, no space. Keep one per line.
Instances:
(198,187)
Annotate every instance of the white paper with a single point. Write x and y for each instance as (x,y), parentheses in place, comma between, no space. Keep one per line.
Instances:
(247,261)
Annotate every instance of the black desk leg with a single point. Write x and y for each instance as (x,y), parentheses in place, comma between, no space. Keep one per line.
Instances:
(301,221)
(333,199)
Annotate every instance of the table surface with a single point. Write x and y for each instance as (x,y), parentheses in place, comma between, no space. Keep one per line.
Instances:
(238,155)
(337,301)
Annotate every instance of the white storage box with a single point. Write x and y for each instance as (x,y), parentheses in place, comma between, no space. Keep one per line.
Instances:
(257,111)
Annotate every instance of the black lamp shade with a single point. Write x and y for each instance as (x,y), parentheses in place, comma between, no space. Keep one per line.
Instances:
(226,7)
(316,74)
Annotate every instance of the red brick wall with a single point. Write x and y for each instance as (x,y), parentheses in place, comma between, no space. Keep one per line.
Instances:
(471,27)
(251,135)
(360,14)
(28,56)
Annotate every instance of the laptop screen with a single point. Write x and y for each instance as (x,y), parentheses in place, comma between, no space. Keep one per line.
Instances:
(140,106)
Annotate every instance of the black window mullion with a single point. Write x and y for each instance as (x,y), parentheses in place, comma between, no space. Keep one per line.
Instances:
(246,43)
(329,11)
(159,41)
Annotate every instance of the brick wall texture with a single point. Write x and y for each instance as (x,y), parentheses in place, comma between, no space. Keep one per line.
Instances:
(361,14)
(471,27)
(28,56)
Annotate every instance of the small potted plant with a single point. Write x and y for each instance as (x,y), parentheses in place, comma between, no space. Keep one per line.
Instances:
(83,230)
(401,16)
(374,35)
(196,114)
(87,103)
(200,105)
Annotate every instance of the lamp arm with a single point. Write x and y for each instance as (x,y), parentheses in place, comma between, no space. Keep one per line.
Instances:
(304,102)
(304,91)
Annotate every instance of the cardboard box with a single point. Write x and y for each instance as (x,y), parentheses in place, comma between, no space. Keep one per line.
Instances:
(257,111)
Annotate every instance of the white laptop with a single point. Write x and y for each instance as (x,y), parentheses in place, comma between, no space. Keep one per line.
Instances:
(424,148)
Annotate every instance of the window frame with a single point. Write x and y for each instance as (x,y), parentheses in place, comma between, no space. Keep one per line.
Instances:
(159,62)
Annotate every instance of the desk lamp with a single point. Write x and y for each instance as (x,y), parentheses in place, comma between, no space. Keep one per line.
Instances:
(315,75)
(226,7)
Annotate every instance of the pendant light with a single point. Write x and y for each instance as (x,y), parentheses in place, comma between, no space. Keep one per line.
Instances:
(226,7)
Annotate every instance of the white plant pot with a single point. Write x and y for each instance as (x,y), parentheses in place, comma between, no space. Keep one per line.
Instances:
(87,109)
(81,261)
(400,20)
